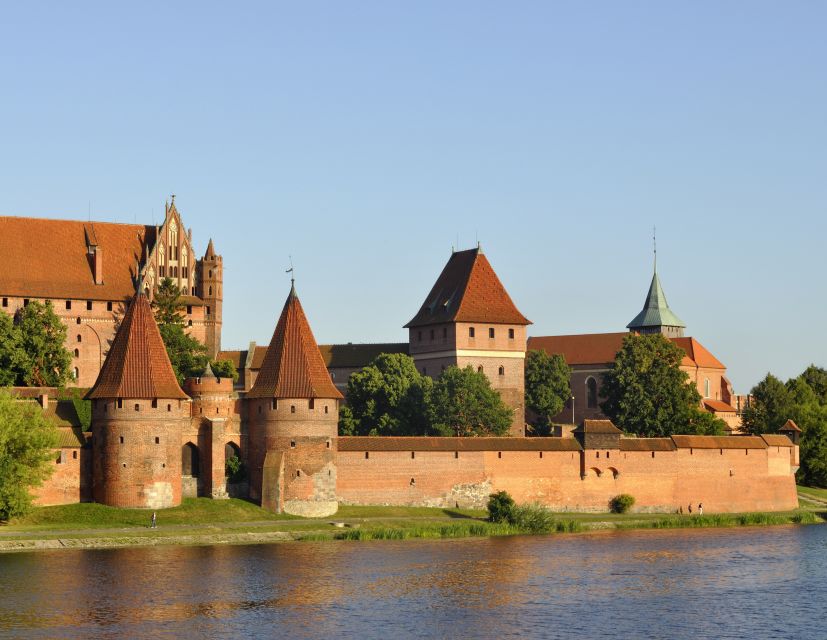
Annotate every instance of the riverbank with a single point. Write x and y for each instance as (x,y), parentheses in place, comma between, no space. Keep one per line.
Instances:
(209,522)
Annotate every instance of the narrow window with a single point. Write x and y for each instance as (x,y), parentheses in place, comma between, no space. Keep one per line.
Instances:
(511,334)
(328,444)
(59,458)
(325,408)
(189,308)
(502,371)
(137,407)
(292,408)
(298,473)
(311,404)
(76,373)
(541,455)
(470,332)
(88,305)
(208,311)
(25,302)
(591,393)
(456,454)
(653,454)
(479,369)
(499,454)
(210,291)
(74,455)
(5,302)
(491,332)
(292,444)
(120,403)
(413,455)
(77,320)
(77,353)
(367,455)
(124,465)
(598,454)
(109,306)
(121,438)
(189,323)
(68,304)
(169,407)
(706,387)
(413,482)
(157,440)
(155,403)
(79,338)
(273,404)
(607,454)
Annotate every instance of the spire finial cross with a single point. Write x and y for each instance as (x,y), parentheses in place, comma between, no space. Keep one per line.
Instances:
(655,245)
(291,272)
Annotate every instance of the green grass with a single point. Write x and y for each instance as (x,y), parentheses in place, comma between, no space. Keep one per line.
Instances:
(193,511)
(349,511)
(813,492)
(726,520)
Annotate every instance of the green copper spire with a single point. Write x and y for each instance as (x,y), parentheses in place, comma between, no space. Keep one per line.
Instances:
(656,316)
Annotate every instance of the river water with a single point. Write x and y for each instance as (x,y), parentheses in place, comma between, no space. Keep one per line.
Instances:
(725,583)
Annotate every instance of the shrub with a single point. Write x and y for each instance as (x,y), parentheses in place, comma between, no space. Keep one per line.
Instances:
(500,507)
(621,503)
(532,518)
(235,470)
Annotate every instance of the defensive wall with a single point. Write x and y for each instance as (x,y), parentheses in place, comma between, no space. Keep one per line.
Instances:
(725,474)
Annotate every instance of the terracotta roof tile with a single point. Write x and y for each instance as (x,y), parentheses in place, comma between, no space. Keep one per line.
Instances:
(42,258)
(468,290)
(293,366)
(358,355)
(597,426)
(777,440)
(719,442)
(647,444)
(137,365)
(718,406)
(789,425)
(236,357)
(601,348)
(390,443)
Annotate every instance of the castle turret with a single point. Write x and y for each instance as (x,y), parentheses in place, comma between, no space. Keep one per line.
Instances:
(293,412)
(210,289)
(656,316)
(468,319)
(138,413)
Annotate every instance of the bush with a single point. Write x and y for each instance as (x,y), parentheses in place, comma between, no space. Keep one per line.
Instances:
(500,507)
(532,518)
(235,470)
(621,503)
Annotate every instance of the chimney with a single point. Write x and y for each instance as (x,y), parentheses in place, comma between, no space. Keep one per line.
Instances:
(98,258)
(44,400)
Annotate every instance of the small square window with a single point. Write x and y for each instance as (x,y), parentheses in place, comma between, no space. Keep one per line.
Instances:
(292,444)
(157,440)
(68,304)
(88,305)
(109,306)
(511,334)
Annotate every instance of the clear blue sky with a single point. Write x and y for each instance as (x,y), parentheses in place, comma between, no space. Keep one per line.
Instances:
(365,139)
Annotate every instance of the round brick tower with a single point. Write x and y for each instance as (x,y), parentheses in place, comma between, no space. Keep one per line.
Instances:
(293,412)
(214,424)
(138,412)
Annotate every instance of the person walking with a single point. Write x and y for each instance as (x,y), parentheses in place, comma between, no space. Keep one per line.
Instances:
(690,508)
(700,509)
(154,523)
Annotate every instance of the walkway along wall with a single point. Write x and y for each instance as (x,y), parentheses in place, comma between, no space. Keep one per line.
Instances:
(726,474)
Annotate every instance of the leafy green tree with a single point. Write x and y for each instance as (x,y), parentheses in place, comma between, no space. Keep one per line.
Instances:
(646,392)
(27,442)
(816,378)
(770,406)
(813,453)
(11,353)
(547,385)
(389,397)
(186,354)
(45,360)
(703,423)
(224,369)
(464,404)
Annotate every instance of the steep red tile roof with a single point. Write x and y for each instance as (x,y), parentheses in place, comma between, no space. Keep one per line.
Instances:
(137,365)
(777,439)
(42,258)
(719,442)
(789,425)
(424,443)
(718,406)
(468,290)
(293,366)
(601,348)
(597,426)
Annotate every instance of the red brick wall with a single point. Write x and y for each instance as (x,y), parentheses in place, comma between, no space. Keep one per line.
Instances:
(732,481)
(71,480)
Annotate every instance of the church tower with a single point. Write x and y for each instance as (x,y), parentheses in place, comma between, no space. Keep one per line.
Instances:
(210,289)
(656,316)
(138,415)
(468,319)
(293,416)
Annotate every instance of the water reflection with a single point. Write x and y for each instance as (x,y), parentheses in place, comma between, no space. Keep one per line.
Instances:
(663,584)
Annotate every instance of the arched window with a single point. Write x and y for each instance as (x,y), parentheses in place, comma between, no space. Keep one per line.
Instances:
(184,256)
(79,338)
(77,353)
(173,240)
(189,460)
(591,393)
(706,388)
(76,373)
(162,259)
(501,370)
(479,369)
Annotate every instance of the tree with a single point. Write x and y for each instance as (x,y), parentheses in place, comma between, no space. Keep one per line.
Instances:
(224,369)
(646,392)
(11,354)
(27,442)
(547,385)
(769,407)
(186,354)
(389,397)
(464,404)
(816,379)
(42,336)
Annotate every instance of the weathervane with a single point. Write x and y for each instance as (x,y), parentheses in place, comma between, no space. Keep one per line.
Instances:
(655,245)
(290,271)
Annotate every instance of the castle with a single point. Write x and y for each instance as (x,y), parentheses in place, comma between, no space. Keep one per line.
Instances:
(153,442)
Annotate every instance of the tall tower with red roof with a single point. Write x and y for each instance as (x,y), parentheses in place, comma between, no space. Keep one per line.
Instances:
(468,319)
(293,416)
(138,415)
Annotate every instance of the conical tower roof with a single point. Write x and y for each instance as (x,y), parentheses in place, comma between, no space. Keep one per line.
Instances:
(137,365)
(210,250)
(656,311)
(293,366)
